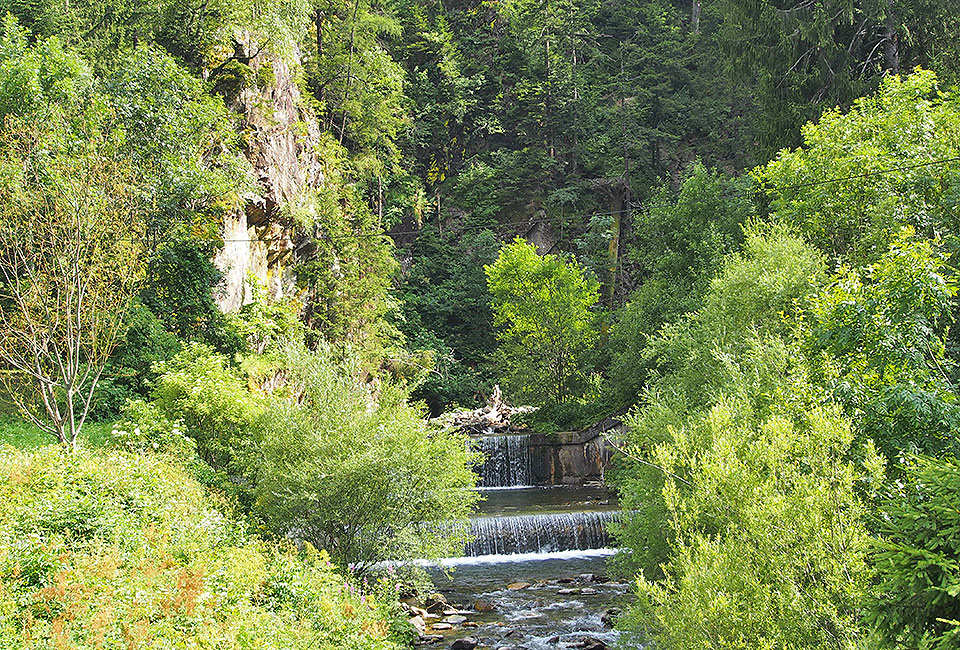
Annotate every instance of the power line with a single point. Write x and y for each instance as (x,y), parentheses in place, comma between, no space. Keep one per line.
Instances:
(564,218)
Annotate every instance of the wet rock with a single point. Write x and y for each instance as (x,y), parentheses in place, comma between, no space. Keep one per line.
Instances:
(471,624)
(419,623)
(466,643)
(429,638)
(565,581)
(434,602)
(449,611)
(609,617)
(590,643)
(455,619)
(517,586)
(442,626)
(601,578)
(567,592)
(416,611)
(514,634)
(585,577)
(484,606)
(588,591)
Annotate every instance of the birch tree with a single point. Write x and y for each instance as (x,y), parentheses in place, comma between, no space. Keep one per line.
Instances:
(70,237)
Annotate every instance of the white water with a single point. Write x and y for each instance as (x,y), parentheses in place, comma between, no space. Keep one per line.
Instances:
(506,461)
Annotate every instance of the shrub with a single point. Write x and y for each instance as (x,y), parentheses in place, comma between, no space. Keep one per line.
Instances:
(110,549)
(356,475)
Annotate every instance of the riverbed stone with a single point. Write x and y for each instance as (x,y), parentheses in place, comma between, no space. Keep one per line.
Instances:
(455,619)
(517,586)
(610,616)
(466,643)
(442,626)
(434,602)
(484,606)
(588,591)
(419,623)
(567,592)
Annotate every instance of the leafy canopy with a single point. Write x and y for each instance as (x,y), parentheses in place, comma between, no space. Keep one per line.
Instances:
(542,303)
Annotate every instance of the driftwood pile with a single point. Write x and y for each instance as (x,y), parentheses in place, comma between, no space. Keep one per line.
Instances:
(488,420)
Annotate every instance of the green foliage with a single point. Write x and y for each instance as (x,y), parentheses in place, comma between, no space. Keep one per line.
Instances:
(144,429)
(112,549)
(543,306)
(199,392)
(914,603)
(876,341)
(765,544)
(130,370)
(179,289)
(679,246)
(359,475)
(185,141)
(769,546)
(445,282)
(844,189)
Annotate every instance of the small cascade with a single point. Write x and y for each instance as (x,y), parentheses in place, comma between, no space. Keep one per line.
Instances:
(506,461)
(539,533)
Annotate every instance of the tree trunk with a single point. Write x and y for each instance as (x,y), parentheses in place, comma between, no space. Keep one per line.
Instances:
(695,17)
(346,88)
(891,42)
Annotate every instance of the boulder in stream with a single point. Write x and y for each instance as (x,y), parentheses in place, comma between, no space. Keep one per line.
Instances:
(466,643)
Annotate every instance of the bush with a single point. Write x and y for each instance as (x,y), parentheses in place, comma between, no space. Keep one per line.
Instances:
(357,475)
(113,550)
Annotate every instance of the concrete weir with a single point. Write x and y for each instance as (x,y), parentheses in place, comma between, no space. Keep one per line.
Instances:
(565,458)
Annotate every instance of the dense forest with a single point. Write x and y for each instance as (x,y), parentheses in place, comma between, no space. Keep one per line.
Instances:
(249,249)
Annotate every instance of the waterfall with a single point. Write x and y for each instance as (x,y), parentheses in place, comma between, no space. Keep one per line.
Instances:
(506,461)
(539,533)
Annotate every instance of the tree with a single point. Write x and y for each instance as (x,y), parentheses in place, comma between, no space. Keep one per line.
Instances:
(914,603)
(877,341)
(69,264)
(863,174)
(542,303)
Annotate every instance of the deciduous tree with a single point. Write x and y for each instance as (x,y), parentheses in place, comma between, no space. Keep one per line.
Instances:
(69,264)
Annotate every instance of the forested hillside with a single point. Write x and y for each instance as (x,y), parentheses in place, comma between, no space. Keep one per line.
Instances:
(248,248)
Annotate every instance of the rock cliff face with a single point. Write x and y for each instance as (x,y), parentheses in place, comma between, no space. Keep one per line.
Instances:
(282,138)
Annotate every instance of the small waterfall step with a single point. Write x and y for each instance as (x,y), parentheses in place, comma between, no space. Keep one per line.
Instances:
(547,533)
(506,461)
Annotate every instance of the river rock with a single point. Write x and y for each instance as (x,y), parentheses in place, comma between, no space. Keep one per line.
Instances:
(434,602)
(442,626)
(590,643)
(588,591)
(564,581)
(430,638)
(610,616)
(471,624)
(585,577)
(517,586)
(466,643)
(419,623)
(484,606)
(455,619)
(450,611)
(567,592)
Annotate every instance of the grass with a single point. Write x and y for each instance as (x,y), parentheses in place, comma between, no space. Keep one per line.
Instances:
(16,432)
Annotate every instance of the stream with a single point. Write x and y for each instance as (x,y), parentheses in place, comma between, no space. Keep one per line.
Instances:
(534,575)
